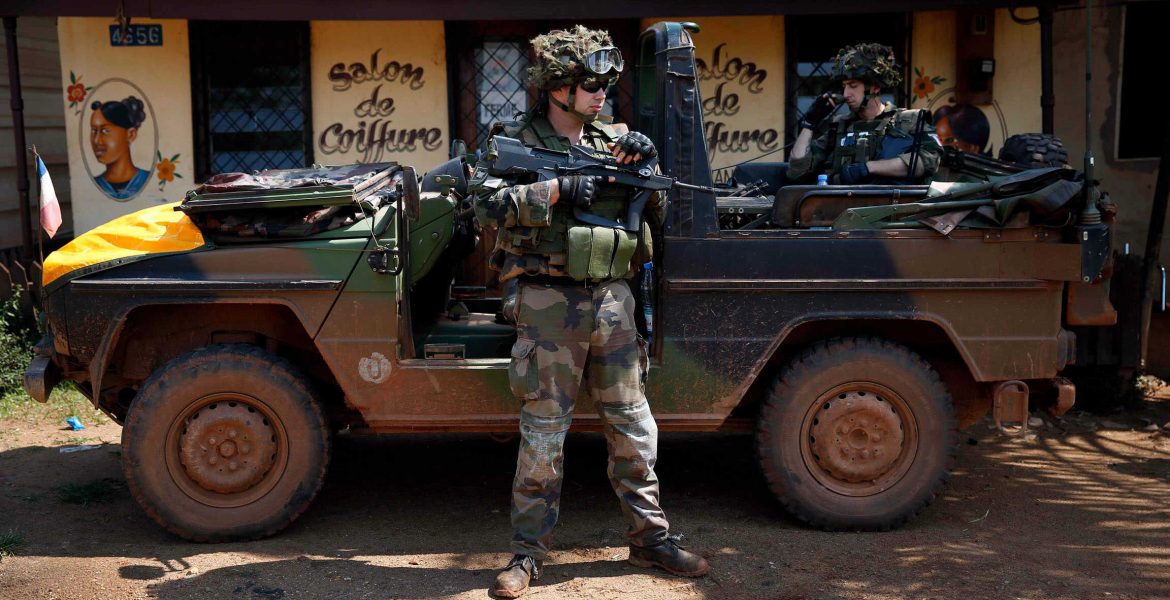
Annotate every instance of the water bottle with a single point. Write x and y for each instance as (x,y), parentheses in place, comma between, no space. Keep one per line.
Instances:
(823,179)
(648,298)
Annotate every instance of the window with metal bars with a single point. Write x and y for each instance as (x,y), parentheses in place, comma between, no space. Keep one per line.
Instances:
(812,42)
(250,92)
(500,70)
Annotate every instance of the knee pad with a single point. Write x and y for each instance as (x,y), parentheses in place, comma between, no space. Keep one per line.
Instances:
(628,414)
(545,425)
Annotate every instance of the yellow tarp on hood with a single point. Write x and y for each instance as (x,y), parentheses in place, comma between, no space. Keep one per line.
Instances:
(155,230)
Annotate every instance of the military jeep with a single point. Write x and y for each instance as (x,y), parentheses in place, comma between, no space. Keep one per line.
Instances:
(854,329)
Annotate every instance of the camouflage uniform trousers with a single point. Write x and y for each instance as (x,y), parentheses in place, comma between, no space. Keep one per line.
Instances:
(565,333)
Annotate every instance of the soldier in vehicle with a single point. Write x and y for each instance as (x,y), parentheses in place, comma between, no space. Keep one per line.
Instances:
(575,322)
(874,142)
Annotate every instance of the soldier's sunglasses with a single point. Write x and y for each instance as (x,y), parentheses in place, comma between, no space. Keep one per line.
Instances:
(593,85)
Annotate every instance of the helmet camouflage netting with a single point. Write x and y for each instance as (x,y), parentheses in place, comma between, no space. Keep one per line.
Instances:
(873,64)
(560,56)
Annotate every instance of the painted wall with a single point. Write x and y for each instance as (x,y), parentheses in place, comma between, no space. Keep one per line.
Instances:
(1130,183)
(1017,71)
(379,92)
(135,150)
(741,77)
(1016,85)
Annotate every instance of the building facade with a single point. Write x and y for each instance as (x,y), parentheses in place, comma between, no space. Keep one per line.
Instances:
(142,111)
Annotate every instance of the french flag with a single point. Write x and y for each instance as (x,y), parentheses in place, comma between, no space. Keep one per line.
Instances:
(50,208)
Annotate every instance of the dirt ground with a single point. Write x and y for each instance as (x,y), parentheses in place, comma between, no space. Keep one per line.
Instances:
(1080,511)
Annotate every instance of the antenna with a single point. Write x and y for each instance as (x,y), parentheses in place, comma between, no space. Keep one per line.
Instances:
(1088,90)
(1090,215)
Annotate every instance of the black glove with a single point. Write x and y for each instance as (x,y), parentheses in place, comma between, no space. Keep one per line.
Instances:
(634,143)
(821,108)
(579,190)
(854,173)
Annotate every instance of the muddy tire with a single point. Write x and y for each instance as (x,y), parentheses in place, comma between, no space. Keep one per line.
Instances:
(1034,150)
(225,443)
(857,434)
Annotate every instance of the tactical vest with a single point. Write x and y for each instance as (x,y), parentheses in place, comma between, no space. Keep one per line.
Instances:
(887,136)
(574,248)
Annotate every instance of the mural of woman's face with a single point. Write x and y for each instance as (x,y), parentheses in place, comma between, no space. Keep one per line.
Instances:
(110,142)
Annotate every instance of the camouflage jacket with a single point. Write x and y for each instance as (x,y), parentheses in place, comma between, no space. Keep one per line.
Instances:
(848,139)
(532,235)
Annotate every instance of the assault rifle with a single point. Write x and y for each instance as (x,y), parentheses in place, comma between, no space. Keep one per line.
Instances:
(508,158)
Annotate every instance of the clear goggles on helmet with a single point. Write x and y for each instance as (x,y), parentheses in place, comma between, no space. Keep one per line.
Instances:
(605,60)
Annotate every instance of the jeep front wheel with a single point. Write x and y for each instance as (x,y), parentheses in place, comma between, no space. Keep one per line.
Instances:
(857,434)
(225,443)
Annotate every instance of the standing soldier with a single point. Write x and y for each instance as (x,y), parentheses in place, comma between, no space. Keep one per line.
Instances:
(875,142)
(576,322)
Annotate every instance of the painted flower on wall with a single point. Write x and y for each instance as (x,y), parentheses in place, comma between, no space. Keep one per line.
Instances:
(76,92)
(924,84)
(166,170)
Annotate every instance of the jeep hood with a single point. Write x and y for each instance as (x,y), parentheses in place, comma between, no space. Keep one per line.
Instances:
(136,236)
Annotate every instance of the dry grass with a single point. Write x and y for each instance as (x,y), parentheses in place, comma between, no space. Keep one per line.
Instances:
(65,402)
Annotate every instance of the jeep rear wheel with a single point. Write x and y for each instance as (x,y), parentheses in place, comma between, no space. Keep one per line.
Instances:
(225,443)
(857,434)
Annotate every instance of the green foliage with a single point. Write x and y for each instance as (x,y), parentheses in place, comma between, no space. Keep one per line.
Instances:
(17,337)
(65,402)
(8,543)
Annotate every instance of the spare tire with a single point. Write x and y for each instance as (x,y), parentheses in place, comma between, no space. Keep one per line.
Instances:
(1034,150)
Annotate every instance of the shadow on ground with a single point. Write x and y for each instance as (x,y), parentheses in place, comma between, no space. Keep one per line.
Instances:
(1073,514)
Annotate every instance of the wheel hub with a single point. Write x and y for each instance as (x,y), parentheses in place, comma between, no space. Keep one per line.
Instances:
(227,447)
(856,436)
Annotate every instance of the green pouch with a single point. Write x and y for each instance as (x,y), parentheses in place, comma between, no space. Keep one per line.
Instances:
(523,372)
(599,252)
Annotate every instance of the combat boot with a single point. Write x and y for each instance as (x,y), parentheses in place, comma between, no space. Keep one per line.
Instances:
(512,582)
(669,556)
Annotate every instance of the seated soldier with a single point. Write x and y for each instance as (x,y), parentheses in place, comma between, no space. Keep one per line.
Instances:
(875,142)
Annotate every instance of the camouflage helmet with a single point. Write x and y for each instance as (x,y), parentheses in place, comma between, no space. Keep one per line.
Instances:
(873,64)
(567,57)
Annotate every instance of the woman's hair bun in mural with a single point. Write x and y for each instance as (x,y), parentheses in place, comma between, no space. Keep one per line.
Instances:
(113,128)
(127,114)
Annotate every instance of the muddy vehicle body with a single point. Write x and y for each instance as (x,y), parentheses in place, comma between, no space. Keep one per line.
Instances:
(854,353)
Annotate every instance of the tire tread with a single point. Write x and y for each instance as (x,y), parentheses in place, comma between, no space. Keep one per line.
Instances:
(819,356)
(211,359)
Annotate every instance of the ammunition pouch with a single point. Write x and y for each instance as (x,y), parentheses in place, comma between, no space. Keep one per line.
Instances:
(596,253)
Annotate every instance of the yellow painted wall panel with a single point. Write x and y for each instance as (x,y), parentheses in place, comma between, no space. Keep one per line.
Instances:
(379,92)
(1015,107)
(741,77)
(159,77)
